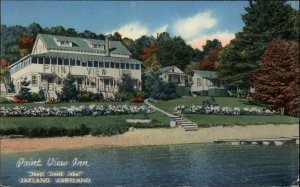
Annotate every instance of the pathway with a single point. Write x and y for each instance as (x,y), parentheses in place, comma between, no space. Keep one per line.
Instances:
(185,123)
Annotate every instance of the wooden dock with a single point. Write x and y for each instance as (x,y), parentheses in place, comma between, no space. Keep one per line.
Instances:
(263,141)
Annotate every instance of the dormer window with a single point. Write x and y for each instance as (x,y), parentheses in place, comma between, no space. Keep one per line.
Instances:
(63,43)
(95,45)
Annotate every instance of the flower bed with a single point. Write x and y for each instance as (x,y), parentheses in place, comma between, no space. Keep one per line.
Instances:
(217,110)
(137,100)
(92,110)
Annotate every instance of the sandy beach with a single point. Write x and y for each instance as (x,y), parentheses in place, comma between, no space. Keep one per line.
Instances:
(140,137)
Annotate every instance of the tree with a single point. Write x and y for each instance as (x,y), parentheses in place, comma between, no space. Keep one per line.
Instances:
(174,52)
(191,67)
(210,44)
(139,44)
(149,58)
(162,90)
(126,84)
(26,42)
(276,81)
(117,36)
(211,59)
(24,93)
(69,91)
(33,29)
(265,21)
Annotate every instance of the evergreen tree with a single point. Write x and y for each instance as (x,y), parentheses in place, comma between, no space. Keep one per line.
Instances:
(69,91)
(162,90)
(127,85)
(276,81)
(265,21)
(24,93)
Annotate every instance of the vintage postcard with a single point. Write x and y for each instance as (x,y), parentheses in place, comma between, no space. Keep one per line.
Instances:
(149,93)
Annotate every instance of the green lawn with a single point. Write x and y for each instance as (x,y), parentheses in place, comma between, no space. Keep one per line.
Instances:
(221,101)
(158,119)
(202,119)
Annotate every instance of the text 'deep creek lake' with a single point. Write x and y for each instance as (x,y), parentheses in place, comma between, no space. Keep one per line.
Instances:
(168,165)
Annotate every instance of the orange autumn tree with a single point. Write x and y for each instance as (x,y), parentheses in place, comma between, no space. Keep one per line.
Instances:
(210,61)
(26,44)
(276,81)
(150,59)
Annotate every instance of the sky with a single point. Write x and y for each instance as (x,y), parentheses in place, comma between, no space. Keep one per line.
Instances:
(194,21)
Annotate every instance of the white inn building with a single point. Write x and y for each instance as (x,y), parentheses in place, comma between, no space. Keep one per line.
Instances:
(96,64)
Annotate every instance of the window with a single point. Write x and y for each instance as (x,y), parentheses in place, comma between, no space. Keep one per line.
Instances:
(47,60)
(199,82)
(131,66)
(66,62)
(77,62)
(34,60)
(137,66)
(96,64)
(117,65)
(107,64)
(112,65)
(34,80)
(100,64)
(41,60)
(54,61)
(83,63)
(127,66)
(72,62)
(59,61)
(96,46)
(122,66)
(90,64)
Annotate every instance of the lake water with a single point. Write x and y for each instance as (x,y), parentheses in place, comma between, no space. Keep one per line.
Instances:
(170,165)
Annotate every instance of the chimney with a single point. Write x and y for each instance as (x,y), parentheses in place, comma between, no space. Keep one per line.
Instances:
(107,45)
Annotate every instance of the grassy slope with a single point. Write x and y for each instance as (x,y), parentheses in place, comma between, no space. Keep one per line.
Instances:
(224,119)
(71,122)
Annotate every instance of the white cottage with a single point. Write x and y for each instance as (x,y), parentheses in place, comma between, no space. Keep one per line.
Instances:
(177,76)
(96,64)
(208,83)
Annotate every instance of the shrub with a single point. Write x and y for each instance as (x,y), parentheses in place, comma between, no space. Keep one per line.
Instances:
(97,97)
(4,100)
(85,96)
(142,94)
(24,93)
(162,90)
(69,91)
(110,130)
(123,96)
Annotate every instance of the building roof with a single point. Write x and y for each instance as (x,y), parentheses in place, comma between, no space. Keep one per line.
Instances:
(207,74)
(81,44)
(87,57)
(166,68)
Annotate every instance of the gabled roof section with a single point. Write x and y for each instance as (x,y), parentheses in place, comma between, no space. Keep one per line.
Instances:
(82,44)
(167,68)
(207,74)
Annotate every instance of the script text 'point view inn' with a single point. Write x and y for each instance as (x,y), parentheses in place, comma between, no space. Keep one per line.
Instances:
(97,65)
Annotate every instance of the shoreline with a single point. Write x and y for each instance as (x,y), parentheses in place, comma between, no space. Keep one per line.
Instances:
(148,137)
